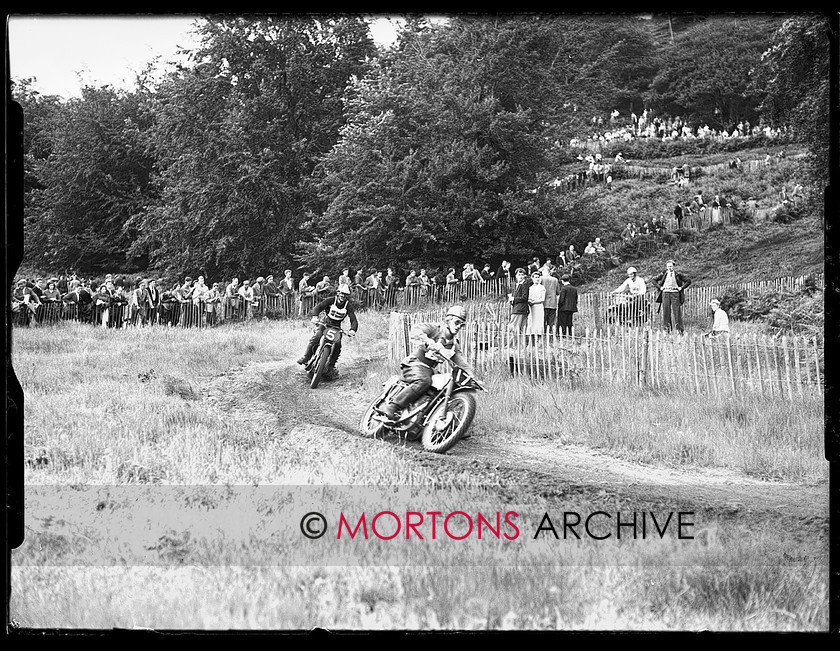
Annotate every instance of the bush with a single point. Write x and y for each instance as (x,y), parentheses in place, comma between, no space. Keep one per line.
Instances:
(782,312)
(785,214)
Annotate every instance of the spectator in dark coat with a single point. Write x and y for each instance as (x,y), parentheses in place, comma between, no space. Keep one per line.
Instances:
(670,285)
(566,305)
(519,302)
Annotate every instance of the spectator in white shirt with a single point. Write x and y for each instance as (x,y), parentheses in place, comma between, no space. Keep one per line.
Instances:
(634,285)
(720,325)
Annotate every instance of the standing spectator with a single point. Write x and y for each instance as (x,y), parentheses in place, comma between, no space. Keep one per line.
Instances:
(344,279)
(152,301)
(258,304)
(271,297)
(212,300)
(412,288)
(451,284)
(70,301)
(717,218)
(287,292)
(503,273)
(24,302)
(184,296)
(566,305)
(552,291)
(534,265)
(536,307)
(306,295)
(519,302)
(323,288)
(720,323)
(102,300)
(425,284)
(373,286)
(392,283)
(51,299)
(678,214)
(137,306)
(232,299)
(246,298)
(486,274)
(670,285)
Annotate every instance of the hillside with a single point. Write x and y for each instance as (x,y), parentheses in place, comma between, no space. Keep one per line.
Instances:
(745,251)
(740,253)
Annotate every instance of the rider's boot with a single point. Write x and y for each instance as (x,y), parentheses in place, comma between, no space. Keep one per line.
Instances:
(398,402)
(310,349)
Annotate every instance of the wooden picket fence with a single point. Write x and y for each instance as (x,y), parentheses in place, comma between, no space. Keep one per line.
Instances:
(787,368)
(600,310)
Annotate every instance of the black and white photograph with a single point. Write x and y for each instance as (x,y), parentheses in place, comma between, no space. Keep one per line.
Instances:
(419,322)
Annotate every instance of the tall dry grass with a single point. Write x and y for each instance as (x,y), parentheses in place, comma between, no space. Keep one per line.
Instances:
(224,406)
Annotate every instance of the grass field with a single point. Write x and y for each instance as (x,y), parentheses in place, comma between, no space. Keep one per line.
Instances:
(140,413)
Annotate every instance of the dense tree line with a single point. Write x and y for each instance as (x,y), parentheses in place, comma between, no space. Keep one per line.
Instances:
(292,142)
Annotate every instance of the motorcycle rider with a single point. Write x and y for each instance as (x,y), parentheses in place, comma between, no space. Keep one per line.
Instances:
(337,309)
(416,369)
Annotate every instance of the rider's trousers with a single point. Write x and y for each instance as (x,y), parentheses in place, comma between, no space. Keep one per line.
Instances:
(418,377)
(315,339)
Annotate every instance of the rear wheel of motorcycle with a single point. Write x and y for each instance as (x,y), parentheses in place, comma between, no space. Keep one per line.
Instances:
(462,405)
(370,426)
(320,366)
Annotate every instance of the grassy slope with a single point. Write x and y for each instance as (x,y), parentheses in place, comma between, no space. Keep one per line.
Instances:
(744,252)
(741,253)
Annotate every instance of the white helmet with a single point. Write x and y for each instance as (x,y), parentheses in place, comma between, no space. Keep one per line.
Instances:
(457,311)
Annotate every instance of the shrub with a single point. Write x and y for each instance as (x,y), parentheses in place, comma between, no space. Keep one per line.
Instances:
(785,214)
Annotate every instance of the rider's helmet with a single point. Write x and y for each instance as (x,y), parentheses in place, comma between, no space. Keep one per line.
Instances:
(456,317)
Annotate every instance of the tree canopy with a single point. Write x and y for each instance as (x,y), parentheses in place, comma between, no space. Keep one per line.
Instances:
(291,142)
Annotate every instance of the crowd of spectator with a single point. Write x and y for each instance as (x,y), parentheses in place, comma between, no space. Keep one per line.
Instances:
(119,301)
(648,125)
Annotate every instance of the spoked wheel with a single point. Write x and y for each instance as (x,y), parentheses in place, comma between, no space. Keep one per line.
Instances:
(320,366)
(371,425)
(448,422)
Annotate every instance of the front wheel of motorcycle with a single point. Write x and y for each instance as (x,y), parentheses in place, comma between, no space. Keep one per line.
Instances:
(371,426)
(448,422)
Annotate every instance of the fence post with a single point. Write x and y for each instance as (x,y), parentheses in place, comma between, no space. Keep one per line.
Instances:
(797,367)
(817,364)
(645,354)
(731,370)
(694,358)
(787,366)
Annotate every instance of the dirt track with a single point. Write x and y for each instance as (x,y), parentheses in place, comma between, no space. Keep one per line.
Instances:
(277,396)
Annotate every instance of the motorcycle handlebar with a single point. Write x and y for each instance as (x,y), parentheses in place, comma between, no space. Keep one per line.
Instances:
(349,333)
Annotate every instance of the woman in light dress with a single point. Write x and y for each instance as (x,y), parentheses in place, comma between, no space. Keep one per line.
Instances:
(536,298)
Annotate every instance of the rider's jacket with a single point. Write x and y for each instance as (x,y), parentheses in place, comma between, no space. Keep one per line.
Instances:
(437,332)
(336,311)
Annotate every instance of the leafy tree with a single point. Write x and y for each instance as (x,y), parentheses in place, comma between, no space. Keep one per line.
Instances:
(795,73)
(439,149)
(706,75)
(89,175)
(237,136)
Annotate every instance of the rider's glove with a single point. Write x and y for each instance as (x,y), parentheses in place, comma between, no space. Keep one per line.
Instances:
(352,333)
(314,320)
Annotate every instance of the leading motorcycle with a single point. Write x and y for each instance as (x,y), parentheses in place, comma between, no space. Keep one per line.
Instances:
(439,418)
(320,361)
